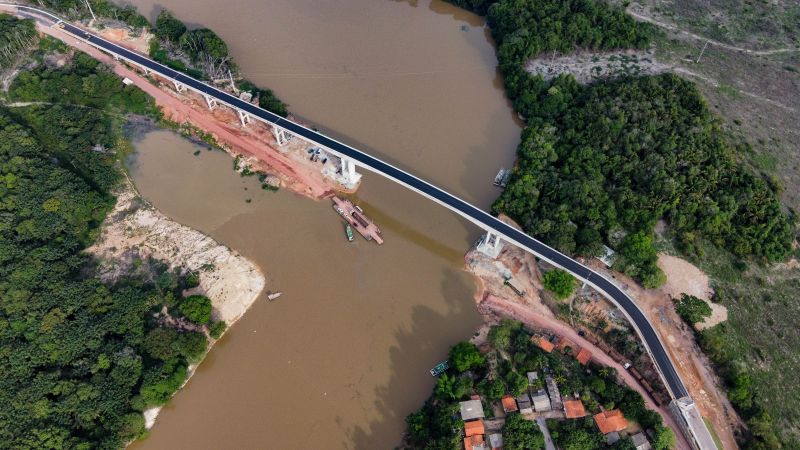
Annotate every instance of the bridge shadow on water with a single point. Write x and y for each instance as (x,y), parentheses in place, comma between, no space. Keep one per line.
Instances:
(426,342)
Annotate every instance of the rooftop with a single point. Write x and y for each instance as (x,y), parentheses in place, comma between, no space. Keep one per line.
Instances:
(543,343)
(523,400)
(610,421)
(496,441)
(509,404)
(640,441)
(541,402)
(584,356)
(473,428)
(474,443)
(471,409)
(574,409)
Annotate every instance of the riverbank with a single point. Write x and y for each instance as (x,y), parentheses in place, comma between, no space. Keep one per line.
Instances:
(134,231)
(254,144)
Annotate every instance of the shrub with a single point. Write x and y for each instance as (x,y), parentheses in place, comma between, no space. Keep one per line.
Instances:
(216,329)
(191,344)
(465,356)
(692,309)
(169,28)
(559,282)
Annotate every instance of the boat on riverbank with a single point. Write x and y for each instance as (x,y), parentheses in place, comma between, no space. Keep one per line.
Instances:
(356,219)
(440,368)
(349,231)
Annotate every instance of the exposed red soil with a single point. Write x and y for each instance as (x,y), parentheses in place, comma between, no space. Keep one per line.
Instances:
(223,124)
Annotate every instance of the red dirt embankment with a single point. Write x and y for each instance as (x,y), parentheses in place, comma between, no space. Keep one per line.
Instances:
(255,141)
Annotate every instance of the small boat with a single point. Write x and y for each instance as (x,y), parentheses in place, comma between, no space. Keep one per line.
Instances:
(273,295)
(439,369)
(349,231)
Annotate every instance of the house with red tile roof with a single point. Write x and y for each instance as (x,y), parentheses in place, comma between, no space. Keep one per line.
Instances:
(509,404)
(543,343)
(610,421)
(473,428)
(574,409)
(583,356)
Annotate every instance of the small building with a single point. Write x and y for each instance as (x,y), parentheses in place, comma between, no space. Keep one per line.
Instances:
(471,409)
(496,441)
(127,81)
(564,344)
(474,443)
(612,438)
(610,421)
(555,395)
(524,403)
(574,409)
(640,441)
(474,428)
(533,378)
(541,402)
(509,405)
(608,258)
(583,356)
(542,343)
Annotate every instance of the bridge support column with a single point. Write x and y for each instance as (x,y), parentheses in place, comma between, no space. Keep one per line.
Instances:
(146,71)
(210,101)
(280,135)
(350,177)
(490,244)
(178,86)
(243,117)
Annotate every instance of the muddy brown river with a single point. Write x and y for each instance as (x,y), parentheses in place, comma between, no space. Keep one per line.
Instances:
(343,356)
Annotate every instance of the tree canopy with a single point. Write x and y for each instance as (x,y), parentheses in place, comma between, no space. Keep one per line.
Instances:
(521,434)
(692,309)
(79,359)
(559,282)
(465,356)
(196,308)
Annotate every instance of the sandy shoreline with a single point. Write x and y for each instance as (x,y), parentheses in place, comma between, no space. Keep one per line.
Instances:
(134,231)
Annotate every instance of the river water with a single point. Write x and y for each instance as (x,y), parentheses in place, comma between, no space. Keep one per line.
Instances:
(342,357)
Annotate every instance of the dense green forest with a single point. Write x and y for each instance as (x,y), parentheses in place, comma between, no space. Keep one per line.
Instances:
(611,159)
(601,164)
(502,370)
(79,360)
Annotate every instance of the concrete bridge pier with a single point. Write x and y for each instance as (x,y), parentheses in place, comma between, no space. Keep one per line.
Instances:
(210,101)
(178,86)
(490,244)
(350,177)
(280,135)
(244,117)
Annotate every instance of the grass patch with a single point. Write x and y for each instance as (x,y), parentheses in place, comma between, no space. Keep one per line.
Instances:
(714,436)
(730,91)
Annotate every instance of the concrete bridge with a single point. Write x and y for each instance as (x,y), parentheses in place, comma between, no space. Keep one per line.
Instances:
(497,232)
